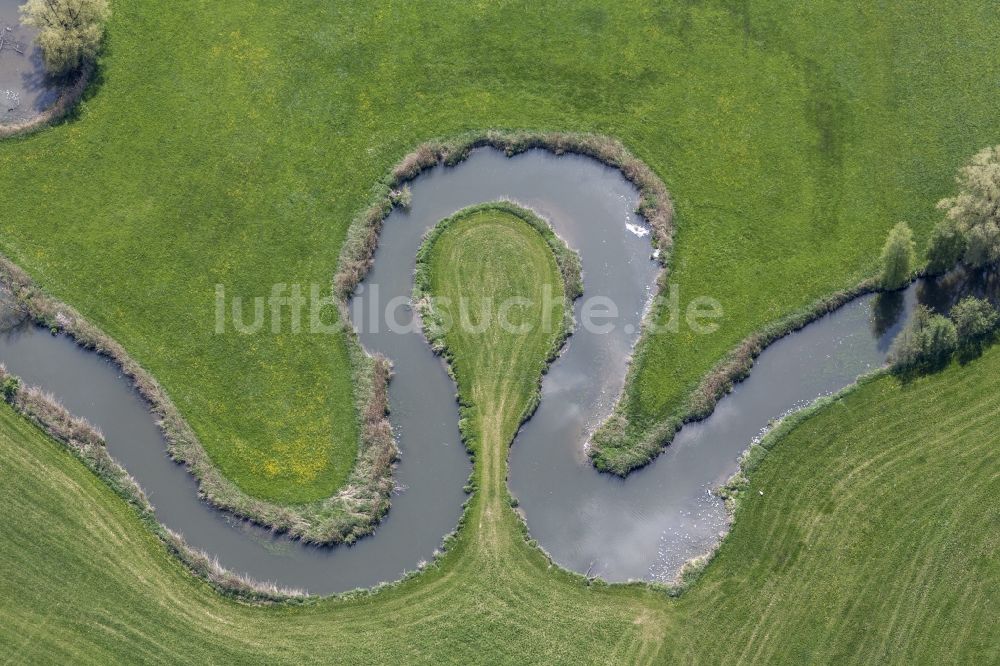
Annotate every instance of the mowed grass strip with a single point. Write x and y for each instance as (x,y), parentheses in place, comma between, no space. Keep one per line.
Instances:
(502,324)
(232,142)
(874,540)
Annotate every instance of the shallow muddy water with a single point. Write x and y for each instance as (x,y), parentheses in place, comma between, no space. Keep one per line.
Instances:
(643,527)
(24,91)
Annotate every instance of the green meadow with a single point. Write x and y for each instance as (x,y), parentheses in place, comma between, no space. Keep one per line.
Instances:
(232,143)
(867,535)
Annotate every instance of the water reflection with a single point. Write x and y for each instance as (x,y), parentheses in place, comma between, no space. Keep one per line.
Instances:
(887,312)
(942,293)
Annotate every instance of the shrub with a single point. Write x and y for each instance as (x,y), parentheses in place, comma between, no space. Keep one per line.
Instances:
(928,341)
(945,247)
(976,209)
(403,197)
(9,387)
(974,319)
(940,340)
(897,257)
(70,31)
(907,347)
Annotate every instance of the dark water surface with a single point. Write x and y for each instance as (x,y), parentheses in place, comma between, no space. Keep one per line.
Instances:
(24,91)
(643,527)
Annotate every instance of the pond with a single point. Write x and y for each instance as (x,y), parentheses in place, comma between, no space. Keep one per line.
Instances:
(643,527)
(24,90)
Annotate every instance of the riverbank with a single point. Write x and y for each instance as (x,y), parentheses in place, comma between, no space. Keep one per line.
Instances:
(29,99)
(66,100)
(620,446)
(87,445)
(351,513)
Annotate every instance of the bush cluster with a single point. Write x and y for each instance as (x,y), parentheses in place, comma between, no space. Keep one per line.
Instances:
(975,319)
(9,387)
(930,340)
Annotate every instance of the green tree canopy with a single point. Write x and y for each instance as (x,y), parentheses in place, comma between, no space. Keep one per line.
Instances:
(70,31)
(974,213)
(897,257)
(928,341)
(974,319)
(945,247)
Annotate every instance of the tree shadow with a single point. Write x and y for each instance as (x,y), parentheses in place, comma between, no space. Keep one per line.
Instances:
(973,349)
(927,367)
(93,87)
(943,292)
(887,311)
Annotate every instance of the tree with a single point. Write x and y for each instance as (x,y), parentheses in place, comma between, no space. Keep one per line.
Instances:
(70,31)
(945,247)
(976,209)
(974,319)
(940,340)
(928,341)
(983,245)
(907,348)
(897,257)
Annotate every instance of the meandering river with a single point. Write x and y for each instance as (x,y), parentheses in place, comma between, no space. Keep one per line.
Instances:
(642,527)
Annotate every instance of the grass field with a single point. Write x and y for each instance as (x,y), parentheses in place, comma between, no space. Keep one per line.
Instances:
(874,541)
(478,261)
(232,143)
